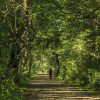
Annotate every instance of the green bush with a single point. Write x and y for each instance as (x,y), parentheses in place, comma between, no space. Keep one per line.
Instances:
(10,91)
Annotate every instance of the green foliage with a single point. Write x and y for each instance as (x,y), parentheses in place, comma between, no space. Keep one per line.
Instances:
(10,91)
(69,28)
(24,79)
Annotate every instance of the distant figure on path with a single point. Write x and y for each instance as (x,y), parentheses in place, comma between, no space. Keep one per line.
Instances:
(50,73)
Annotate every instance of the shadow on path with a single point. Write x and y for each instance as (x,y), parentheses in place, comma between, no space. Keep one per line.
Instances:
(41,88)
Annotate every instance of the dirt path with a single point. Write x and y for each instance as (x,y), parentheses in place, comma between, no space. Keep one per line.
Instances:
(44,89)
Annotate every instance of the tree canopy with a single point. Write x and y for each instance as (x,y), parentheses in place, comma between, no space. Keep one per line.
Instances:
(38,34)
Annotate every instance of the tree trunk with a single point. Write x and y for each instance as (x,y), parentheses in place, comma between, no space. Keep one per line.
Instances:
(25,35)
(57,65)
(19,46)
(30,62)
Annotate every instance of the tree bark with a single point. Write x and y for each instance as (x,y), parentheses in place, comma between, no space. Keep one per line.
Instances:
(57,65)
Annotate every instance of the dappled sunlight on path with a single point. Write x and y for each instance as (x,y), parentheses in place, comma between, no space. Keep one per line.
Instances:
(42,88)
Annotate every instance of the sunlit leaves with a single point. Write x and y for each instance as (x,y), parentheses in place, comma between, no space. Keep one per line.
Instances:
(69,28)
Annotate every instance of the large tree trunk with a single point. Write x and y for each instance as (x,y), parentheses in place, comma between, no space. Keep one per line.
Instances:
(25,35)
(19,48)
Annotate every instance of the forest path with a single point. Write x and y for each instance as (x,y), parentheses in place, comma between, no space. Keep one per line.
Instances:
(42,88)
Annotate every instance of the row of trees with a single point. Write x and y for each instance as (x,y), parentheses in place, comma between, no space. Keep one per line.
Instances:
(59,33)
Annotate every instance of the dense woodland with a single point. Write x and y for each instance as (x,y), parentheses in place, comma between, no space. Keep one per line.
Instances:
(38,34)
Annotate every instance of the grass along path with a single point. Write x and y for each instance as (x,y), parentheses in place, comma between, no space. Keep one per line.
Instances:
(42,88)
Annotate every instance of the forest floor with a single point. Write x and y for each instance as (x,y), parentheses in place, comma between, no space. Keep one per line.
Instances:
(42,88)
